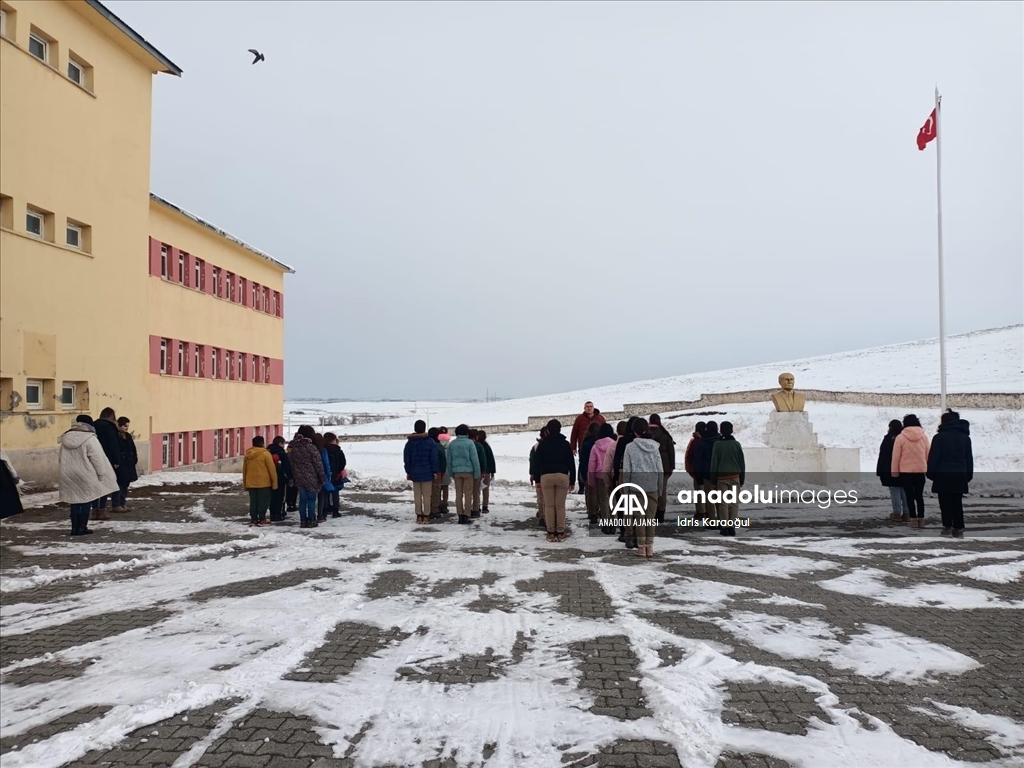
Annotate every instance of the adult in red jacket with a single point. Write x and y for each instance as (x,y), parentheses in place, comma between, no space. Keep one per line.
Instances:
(579,433)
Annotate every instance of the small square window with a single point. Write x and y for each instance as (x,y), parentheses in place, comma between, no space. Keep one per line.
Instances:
(68,395)
(34,223)
(39,48)
(3,23)
(74,236)
(75,73)
(33,394)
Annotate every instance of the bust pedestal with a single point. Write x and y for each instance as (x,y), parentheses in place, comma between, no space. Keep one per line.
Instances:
(794,454)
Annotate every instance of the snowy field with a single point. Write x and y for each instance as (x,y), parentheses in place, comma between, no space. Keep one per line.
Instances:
(340,413)
(985,361)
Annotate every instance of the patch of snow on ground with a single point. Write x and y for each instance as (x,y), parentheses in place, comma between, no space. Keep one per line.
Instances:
(998,573)
(871,582)
(1006,734)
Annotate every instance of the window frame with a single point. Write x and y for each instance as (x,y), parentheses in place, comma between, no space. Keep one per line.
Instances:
(181,449)
(3,23)
(216,444)
(216,282)
(79,231)
(38,404)
(41,218)
(33,37)
(181,267)
(181,358)
(196,360)
(165,451)
(74,395)
(215,356)
(72,64)
(165,261)
(163,356)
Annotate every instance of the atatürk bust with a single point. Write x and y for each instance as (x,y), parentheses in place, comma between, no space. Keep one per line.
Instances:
(788,399)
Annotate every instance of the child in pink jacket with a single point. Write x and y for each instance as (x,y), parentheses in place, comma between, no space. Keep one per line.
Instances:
(909,465)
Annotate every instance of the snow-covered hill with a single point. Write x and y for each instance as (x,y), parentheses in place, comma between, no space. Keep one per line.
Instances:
(983,361)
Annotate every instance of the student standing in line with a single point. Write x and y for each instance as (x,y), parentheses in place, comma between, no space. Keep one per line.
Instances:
(535,478)
(728,472)
(951,469)
(127,472)
(883,470)
(308,469)
(642,466)
(667,446)
(489,469)
(259,478)
(690,460)
(336,464)
(589,484)
(435,485)
(556,467)
(422,466)
(481,455)
(464,465)
(282,459)
(596,474)
(910,463)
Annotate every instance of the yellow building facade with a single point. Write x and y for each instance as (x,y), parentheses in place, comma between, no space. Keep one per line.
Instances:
(86,301)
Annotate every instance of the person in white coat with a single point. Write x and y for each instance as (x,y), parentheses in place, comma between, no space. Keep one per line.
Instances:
(85,472)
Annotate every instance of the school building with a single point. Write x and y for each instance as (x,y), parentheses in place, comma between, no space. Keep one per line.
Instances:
(111,295)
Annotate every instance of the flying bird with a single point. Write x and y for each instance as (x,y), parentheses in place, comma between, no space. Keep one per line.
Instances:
(257,56)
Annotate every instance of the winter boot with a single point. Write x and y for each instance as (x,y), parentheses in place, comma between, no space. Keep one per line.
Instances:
(947,531)
(474,515)
(958,533)
(463,519)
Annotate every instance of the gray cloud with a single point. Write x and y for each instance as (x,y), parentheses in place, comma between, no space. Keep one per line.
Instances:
(542,197)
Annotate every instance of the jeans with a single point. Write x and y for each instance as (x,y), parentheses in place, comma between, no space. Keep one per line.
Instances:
(259,503)
(899,499)
(307,504)
(80,516)
(321,503)
(952,507)
(913,483)
(121,497)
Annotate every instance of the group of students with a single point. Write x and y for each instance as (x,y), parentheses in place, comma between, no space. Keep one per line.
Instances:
(434,462)
(906,460)
(97,462)
(305,477)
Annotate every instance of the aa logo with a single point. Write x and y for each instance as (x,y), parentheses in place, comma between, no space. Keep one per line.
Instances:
(628,499)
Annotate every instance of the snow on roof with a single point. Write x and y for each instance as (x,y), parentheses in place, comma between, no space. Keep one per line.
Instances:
(226,235)
(169,66)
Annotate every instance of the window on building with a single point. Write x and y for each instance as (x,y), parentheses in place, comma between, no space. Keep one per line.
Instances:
(74,235)
(69,395)
(215,357)
(181,448)
(228,368)
(241,288)
(6,212)
(181,358)
(195,360)
(238,439)
(34,394)
(79,71)
(216,281)
(195,448)
(241,367)
(165,452)
(201,358)
(216,444)
(266,370)
(230,278)
(75,72)
(181,267)
(163,355)
(255,295)
(35,222)
(255,366)
(163,262)
(39,47)
(3,23)
(200,274)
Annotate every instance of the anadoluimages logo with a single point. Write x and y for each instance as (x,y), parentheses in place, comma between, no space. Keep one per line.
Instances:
(623,502)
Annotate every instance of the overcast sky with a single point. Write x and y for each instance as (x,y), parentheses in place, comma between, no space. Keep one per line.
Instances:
(537,197)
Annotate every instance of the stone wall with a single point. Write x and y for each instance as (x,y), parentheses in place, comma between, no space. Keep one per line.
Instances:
(989,401)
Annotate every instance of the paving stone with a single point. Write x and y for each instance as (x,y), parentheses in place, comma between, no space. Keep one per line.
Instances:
(578,592)
(345,645)
(261,586)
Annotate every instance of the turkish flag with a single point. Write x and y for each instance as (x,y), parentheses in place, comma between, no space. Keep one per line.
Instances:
(928,131)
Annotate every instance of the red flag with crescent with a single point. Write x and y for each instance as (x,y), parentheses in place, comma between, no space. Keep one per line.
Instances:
(928,131)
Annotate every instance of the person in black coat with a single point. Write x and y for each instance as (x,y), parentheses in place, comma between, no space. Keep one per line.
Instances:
(883,469)
(555,465)
(10,499)
(283,462)
(336,459)
(951,469)
(106,433)
(128,461)
(702,465)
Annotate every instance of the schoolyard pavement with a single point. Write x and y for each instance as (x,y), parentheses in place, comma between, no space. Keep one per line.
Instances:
(176,636)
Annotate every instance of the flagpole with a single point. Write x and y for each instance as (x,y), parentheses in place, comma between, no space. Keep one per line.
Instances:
(942,293)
